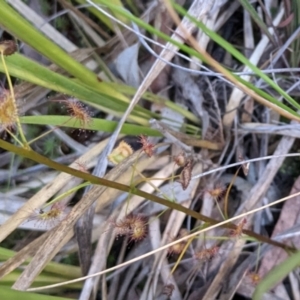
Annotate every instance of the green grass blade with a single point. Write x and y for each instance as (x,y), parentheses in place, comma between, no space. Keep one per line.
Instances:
(295,45)
(26,69)
(67,271)
(6,293)
(27,33)
(234,52)
(23,68)
(149,28)
(269,97)
(257,19)
(219,40)
(104,19)
(23,30)
(42,279)
(128,90)
(276,275)
(95,124)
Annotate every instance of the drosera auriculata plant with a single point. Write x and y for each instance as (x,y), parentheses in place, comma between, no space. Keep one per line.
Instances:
(9,114)
(134,226)
(78,111)
(52,215)
(254,277)
(218,192)
(8,111)
(147,147)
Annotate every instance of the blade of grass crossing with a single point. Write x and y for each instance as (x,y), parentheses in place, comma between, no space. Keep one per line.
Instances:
(219,40)
(227,46)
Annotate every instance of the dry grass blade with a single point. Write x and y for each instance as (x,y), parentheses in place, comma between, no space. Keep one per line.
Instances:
(289,218)
(57,236)
(224,71)
(14,262)
(225,270)
(46,193)
(160,232)
(48,30)
(237,94)
(106,239)
(171,244)
(160,267)
(169,51)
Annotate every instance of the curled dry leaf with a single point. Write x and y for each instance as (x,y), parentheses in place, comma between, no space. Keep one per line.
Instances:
(245,166)
(186,174)
(120,153)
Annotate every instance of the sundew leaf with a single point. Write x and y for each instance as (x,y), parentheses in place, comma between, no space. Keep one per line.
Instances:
(21,67)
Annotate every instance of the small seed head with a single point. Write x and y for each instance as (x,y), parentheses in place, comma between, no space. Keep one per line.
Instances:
(236,233)
(178,247)
(8,47)
(206,254)
(180,159)
(254,277)
(218,192)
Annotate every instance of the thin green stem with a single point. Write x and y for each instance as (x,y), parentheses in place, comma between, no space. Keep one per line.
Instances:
(29,153)
(63,195)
